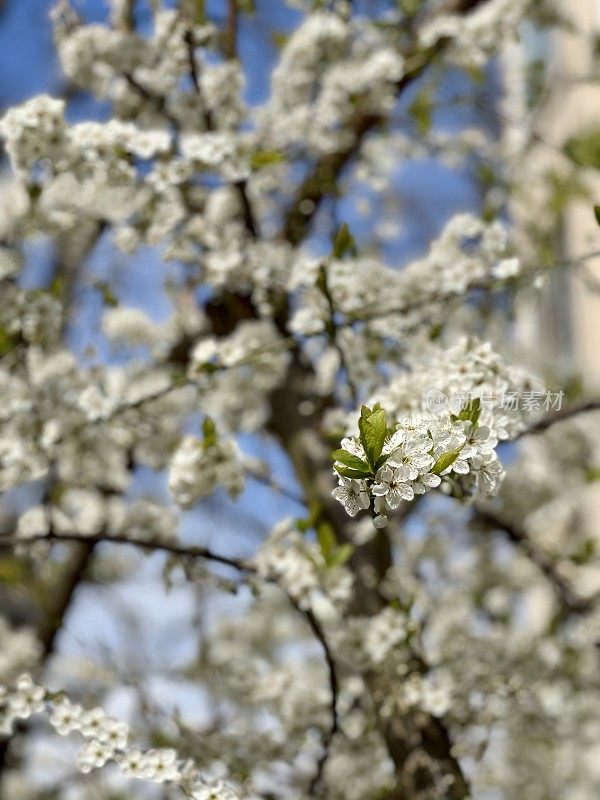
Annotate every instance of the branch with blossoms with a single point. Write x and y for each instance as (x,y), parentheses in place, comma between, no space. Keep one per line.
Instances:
(248,213)
(564,414)
(385,465)
(568,599)
(151,545)
(246,568)
(504,274)
(324,174)
(106,740)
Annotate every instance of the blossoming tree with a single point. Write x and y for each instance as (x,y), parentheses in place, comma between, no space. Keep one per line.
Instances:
(421,623)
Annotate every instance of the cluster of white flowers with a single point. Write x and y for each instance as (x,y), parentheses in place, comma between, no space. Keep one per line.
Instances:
(19,649)
(92,170)
(107,740)
(85,512)
(432,693)
(385,631)
(131,325)
(198,467)
(443,379)
(290,559)
(475,36)
(99,57)
(219,151)
(85,422)
(328,63)
(468,254)
(384,150)
(236,373)
(307,571)
(447,421)
(387,466)
(34,130)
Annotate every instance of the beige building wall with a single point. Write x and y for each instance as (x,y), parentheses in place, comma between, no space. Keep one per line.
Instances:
(566,324)
(563,321)
(576,108)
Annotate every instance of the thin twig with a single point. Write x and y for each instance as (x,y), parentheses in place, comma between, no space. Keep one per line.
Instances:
(193,64)
(332,335)
(319,634)
(232,29)
(567,597)
(186,551)
(241,186)
(491,285)
(560,416)
(156,100)
(271,483)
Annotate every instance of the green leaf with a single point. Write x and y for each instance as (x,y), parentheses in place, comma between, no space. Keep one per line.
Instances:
(57,286)
(34,190)
(321,283)
(471,412)
(208,367)
(592,474)
(280,39)
(8,341)
(436,331)
(200,12)
(349,460)
(586,553)
(302,525)
(344,242)
(597,214)
(421,110)
(409,7)
(265,158)
(584,150)
(109,298)
(445,460)
(348,472)
(341,555)
(535,78)
(209,432)
(373,433)
(314,514)
(326,539)
(12,571)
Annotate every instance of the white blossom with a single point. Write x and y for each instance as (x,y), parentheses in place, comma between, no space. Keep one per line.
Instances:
(352,494)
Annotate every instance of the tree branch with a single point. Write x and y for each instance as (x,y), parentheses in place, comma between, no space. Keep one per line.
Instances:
(369,563)
(324,174)
(187,551)
(319,634)
(490,285)
(241,565)
(560,416)
(232,29)
(568,599)
(241,186)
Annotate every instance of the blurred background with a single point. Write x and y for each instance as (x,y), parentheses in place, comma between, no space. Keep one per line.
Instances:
(541,97)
